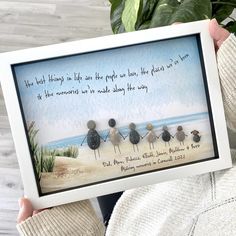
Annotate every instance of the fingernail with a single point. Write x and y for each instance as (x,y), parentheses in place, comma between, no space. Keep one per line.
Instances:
(214,21)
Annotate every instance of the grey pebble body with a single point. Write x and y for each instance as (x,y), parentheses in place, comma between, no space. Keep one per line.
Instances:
(166,136)
(114,135)
(151,135)
(180,134)
(93,139)
(134,136)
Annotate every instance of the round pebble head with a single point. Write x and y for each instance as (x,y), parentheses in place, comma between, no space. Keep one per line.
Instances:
(132,126)
(165,128)
(112,123)
(194,132)
(180,128)
(149,126)
(91,124)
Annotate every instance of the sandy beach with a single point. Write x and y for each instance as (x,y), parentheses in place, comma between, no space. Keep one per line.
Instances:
(85,169)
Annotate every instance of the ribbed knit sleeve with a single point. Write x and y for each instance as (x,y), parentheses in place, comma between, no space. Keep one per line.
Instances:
(227,70)
(71,219)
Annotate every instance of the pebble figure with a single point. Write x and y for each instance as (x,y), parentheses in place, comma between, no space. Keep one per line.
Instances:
(196,136)
(93,138)
(114,135)
(151,135)
(134,136)
(166,136)
(180,135)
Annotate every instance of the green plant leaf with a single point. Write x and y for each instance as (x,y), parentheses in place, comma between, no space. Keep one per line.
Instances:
(130,14)
(169,11)
(145,12)
(145,25)
(117,7)
(221,12)
(231,26)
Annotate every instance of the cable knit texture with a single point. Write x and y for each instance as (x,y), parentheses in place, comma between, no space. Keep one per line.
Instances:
(227,71)
(199,205)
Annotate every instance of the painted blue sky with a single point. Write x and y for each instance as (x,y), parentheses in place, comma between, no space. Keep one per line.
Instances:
(176,91)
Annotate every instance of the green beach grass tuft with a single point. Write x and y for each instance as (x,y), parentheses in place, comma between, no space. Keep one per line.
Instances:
(71,151)
(44,159)
(48,163)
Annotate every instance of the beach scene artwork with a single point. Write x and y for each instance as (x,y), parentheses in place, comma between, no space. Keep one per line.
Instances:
(114,113)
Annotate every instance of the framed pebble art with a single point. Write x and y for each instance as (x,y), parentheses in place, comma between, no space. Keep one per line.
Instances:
(108,114)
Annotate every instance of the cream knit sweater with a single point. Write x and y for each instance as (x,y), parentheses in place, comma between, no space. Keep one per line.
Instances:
(200,205)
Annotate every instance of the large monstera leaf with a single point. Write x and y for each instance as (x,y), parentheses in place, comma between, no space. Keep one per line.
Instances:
(170,11)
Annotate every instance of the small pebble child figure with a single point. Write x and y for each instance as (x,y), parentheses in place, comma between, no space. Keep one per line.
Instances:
(134,136)
(166,136)
(180,135)
(151,135)
(196,136)
(93,138)
(114,135)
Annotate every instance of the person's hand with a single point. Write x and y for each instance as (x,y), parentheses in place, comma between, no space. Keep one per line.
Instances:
(26,210)
(218,33)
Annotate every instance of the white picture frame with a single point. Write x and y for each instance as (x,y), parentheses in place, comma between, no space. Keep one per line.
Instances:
(221,160)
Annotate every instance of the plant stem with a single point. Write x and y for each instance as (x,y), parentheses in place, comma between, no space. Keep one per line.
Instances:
(225,3)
